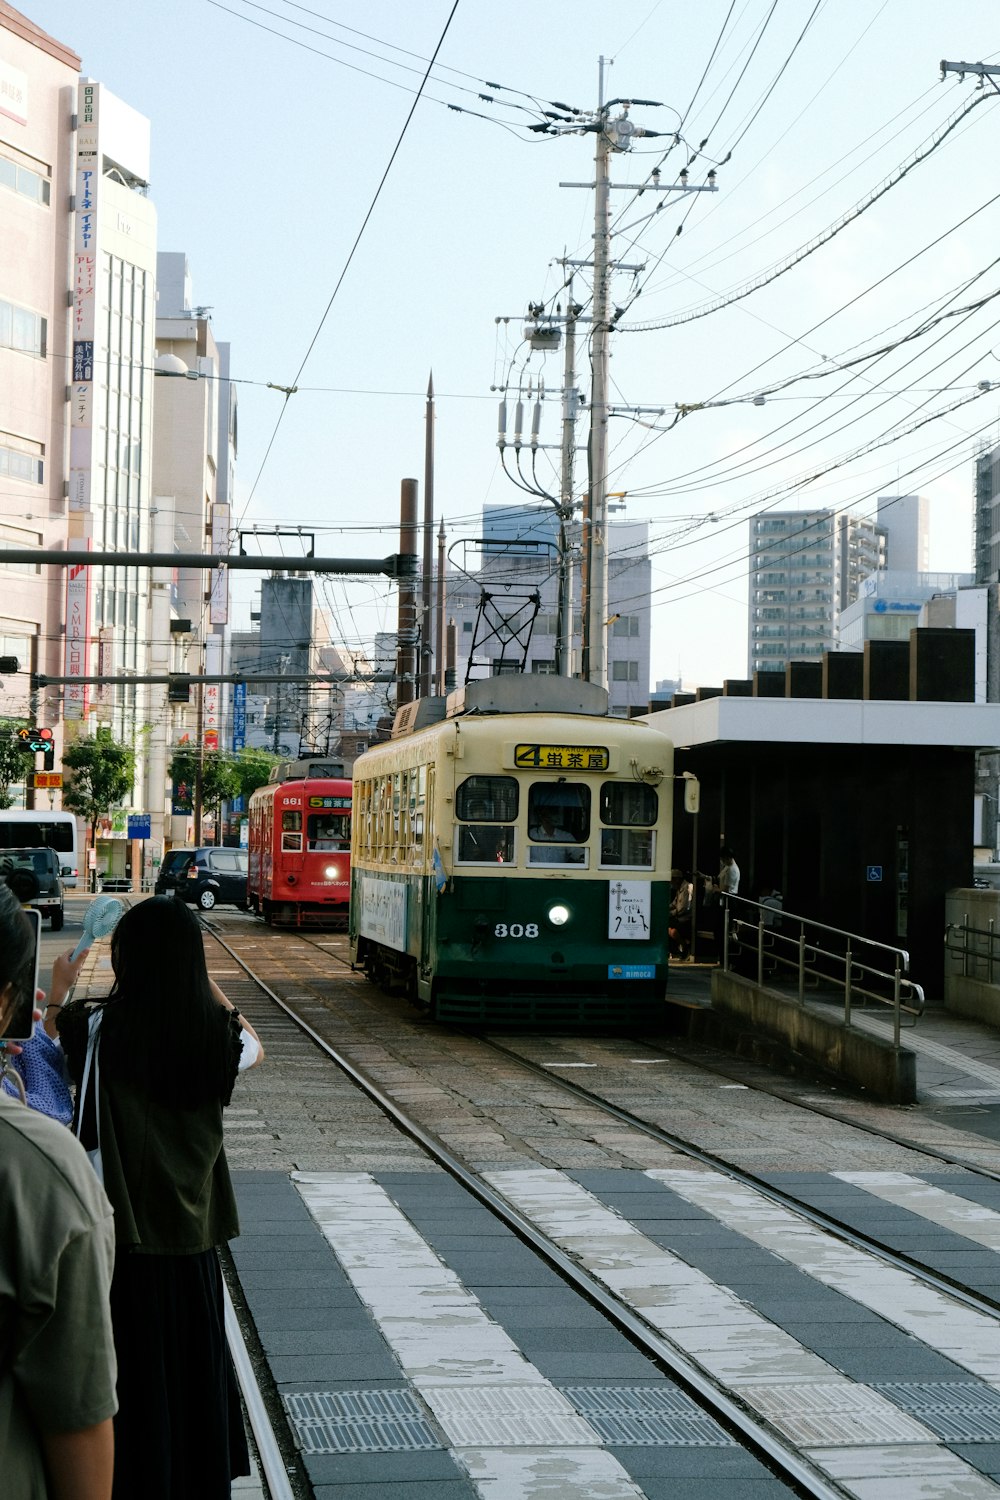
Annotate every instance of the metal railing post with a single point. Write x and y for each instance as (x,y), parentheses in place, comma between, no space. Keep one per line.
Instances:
(760,953)
(802,963)
(725,933)
(965,945)
(847,985)
(895,1006)
(989,955)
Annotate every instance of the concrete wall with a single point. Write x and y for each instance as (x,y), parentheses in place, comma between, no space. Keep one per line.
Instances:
(777,1031)
(971,986)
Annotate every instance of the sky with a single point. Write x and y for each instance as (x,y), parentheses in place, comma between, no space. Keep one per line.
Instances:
(279,135)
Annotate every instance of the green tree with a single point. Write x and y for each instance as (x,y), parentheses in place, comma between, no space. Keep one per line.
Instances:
(15,763)
(254,767)
(219,780)
(102,775)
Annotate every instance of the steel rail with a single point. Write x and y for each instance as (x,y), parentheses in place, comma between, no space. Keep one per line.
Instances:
(752,1431)
(271,1461)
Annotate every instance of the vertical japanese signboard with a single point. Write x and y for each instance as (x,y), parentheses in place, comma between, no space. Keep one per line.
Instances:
(77,617)
(219,598)
(84,302)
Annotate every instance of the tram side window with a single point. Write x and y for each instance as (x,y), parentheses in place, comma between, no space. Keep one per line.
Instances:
(488,806)
(291,831)
(558,822)
(628,812)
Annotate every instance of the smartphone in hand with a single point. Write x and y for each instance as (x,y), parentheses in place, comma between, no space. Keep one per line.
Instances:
(21,1023)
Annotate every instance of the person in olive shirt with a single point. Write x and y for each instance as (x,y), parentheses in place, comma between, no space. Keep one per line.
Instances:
(169,1046)
(57,1358)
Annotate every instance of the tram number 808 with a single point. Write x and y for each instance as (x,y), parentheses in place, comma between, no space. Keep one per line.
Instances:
(516,930)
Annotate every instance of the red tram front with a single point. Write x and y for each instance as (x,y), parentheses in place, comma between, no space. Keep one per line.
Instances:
(300,852)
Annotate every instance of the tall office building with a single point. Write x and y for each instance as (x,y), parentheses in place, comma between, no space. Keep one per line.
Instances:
(38,78)
(805,567)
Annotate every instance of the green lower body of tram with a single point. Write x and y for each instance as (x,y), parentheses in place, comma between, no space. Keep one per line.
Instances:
(513,952)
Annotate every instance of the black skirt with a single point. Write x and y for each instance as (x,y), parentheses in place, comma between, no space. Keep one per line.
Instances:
(179,1429)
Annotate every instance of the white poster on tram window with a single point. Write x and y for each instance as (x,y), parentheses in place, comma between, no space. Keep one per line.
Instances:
(383,912)
(629,908)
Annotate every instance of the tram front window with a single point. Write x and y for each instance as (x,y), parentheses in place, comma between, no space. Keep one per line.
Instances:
(488,806)
(328,831)
(633,807)
(558,822)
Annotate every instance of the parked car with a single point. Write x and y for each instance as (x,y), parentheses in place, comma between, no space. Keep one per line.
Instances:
(44,864)
(173,862)
(214,875)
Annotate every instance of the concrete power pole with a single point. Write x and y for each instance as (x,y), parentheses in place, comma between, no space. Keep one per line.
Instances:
(426,595)
(570,405)
(407,635)
(595,667)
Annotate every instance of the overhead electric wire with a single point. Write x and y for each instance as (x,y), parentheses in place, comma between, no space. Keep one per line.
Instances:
(766,278)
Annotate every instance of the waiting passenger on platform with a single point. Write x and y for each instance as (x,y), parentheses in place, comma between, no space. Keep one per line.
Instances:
(682,890)
(169,1045)
(57,1374)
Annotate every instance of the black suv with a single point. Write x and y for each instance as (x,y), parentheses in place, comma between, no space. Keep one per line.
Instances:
(213,875)
(44,865)
(174,861)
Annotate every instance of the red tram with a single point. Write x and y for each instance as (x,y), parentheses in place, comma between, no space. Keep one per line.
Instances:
(300,849)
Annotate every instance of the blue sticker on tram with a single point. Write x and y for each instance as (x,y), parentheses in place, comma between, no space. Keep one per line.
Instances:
(631,971)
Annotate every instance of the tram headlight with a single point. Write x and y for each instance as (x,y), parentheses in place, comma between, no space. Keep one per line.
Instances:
(331,872)
(558,915)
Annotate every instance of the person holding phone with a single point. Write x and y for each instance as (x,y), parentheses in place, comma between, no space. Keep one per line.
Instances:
(42,1080)
(57,1365)
(168,1046)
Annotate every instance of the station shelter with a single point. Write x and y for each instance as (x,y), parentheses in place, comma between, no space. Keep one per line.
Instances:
(846,784)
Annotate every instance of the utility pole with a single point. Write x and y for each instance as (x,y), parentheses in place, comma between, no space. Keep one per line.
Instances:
(570,403)
(595,663)
(426,636)
(407,634)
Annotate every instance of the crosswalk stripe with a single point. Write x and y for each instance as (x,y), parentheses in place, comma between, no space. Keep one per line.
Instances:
(811,1402)
(971,1220)
(504,1421)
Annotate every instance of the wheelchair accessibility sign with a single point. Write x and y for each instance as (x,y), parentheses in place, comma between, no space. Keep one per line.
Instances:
(875,872)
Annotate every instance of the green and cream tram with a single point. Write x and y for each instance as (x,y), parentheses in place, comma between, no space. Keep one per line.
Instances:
(511,862)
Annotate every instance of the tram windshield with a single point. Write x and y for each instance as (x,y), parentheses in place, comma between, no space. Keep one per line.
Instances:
(488,806)
(628,812)
(558,822)
(328,831)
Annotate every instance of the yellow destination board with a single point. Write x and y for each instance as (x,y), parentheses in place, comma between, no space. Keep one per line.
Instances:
(561,757)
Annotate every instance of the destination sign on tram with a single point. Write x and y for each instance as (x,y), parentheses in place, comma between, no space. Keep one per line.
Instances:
(561,757)
(340,804)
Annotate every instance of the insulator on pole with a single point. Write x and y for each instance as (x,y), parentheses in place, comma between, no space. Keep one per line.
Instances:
(502,424)
(536,422)
(518,423)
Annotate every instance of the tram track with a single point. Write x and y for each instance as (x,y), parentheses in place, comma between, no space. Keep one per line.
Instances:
(734,1414)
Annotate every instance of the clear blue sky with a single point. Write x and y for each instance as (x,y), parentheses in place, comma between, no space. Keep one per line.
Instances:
(266,158)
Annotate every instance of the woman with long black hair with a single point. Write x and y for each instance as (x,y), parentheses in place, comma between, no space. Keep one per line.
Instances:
(155,1064)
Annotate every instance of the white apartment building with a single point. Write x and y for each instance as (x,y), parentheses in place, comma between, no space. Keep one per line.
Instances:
(110,461)
(808,566)
(194,458)
(38,79)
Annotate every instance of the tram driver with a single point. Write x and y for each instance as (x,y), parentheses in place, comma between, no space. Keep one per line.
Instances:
(326,833)
(550,829)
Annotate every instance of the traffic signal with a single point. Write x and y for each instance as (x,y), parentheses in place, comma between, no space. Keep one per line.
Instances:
(34,740)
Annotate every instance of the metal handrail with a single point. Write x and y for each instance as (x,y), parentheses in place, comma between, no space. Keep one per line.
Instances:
(972,955)
(803,955)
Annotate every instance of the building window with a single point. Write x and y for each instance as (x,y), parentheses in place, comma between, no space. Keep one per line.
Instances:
(627,625)
(20,459)
(625,671)
(466,627)
(22,330)
(545,668)
(24,181)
